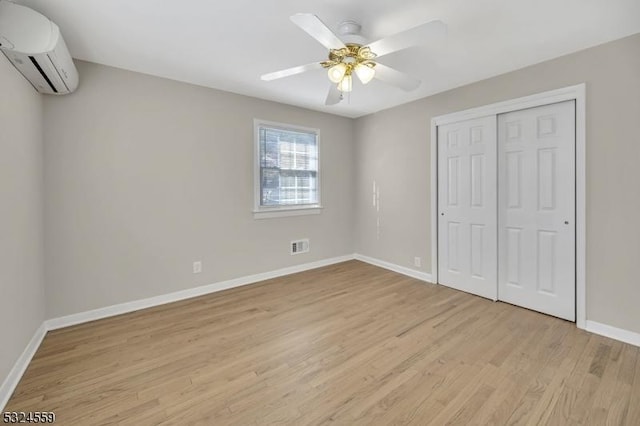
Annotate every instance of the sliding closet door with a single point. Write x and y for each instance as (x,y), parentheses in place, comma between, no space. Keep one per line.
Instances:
(467,226)
(536,167)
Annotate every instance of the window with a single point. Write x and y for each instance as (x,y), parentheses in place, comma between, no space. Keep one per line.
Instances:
(287,170)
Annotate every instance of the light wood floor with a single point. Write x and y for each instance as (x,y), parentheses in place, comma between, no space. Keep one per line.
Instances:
(347,344)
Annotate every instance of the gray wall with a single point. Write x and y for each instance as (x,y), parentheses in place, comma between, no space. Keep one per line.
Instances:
(21,194)
(145,175)
(393,148)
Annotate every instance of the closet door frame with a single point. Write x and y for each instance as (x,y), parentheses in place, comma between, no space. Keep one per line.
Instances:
(576,93)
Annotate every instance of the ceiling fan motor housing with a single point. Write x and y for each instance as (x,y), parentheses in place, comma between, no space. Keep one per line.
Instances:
(350,32)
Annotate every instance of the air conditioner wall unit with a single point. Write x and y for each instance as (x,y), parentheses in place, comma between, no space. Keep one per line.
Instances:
(36,48)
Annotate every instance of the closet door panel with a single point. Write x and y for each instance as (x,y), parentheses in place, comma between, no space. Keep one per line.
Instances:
(467,222)
(536,213)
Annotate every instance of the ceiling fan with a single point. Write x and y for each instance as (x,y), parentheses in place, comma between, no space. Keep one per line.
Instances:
(353,55)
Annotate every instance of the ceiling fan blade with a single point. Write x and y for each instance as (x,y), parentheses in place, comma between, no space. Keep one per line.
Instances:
(334,96)
(433,32)
(396,78)
(318,30)
(291,71)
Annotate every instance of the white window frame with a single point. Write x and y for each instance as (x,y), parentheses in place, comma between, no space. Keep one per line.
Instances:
(265,212)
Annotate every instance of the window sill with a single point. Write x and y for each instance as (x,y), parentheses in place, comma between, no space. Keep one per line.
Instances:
(286,211)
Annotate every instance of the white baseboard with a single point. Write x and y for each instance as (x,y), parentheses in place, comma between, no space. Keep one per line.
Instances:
(613,332)
(12,380)
(136,305)
(423,276)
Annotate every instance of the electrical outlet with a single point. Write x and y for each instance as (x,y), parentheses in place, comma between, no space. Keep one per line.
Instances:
(417,262)
(197,267)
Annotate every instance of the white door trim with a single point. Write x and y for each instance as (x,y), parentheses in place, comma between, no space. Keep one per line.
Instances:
(577,93)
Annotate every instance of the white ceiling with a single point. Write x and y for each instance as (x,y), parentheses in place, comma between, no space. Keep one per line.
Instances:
(228,44)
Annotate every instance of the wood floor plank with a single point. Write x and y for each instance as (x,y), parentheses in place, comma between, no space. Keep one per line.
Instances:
(348,344)
(633,416)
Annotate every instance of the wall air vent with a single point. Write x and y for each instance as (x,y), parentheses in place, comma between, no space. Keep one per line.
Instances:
(299,246)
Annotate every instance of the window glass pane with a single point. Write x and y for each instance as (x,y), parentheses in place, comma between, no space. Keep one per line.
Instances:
(269,187)
(288,167)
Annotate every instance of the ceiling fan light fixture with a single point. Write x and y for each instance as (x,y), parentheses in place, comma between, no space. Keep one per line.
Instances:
(346,84)
(365,73)
(337,72)
(350,53)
